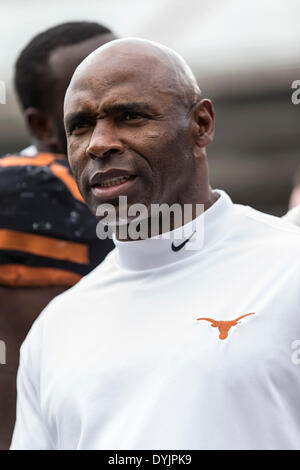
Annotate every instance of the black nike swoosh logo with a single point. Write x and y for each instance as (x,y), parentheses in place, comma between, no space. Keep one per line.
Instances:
(178,247)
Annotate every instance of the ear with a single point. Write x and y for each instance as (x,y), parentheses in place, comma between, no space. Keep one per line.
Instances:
(41,127)
(203,129)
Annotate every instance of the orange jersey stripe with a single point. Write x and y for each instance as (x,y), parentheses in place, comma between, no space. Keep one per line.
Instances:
(41,245)
(46,159)
(18,275)
(62,173)
(40,160)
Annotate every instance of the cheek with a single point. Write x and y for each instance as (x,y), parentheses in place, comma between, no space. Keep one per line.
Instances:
(167,147)
(72,156)
(154,144)
(172,156)
(153,135)
(77,159)
(168,137)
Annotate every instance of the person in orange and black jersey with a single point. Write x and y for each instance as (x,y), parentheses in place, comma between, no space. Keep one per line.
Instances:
(47,234)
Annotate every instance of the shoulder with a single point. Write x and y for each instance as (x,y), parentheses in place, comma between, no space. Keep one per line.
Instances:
(293,216)
(265,221)
(37,170)
(39,195)
(45,226)
(22,176)
(19,160)
(97,280)
(268,232)
(63,308)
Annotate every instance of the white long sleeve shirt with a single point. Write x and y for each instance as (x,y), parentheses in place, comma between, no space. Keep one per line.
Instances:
(293,216)
(121,361)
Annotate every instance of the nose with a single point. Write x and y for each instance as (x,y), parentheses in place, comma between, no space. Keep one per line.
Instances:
(104,141)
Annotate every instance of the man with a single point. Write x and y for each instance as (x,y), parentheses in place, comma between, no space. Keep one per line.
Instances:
(47,234)
(163,347)
(42,74)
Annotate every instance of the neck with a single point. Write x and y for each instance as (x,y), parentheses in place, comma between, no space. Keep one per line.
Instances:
(43,148)
(180,244)
(163,218)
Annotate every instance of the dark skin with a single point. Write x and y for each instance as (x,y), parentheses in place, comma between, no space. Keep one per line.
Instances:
(46,126)
(21,306)
(134,107)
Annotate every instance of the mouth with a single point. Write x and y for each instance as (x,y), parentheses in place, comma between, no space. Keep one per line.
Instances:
(112,183)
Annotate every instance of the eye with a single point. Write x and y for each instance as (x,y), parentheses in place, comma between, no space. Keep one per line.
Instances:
(132,116)
(78,128)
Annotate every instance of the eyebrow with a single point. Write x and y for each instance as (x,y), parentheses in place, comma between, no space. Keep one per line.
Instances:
(129,106)
(109,110)
(77,116)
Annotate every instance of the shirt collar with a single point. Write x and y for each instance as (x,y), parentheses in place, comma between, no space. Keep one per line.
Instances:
(157,251)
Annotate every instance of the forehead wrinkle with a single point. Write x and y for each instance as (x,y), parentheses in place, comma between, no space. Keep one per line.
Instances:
(115,88)
(85,93)
(163,70)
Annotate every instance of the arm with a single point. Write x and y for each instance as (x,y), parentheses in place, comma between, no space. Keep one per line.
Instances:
(19,308)
(30,432)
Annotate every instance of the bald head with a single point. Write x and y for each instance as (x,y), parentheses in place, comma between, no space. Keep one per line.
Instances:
(163,68)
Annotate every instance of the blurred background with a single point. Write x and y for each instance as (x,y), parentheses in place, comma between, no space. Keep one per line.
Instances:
(245,54)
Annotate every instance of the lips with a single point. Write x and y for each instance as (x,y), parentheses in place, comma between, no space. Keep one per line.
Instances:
(110,178)
(112,183)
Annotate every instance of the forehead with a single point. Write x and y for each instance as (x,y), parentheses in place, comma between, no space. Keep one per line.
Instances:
(97,85)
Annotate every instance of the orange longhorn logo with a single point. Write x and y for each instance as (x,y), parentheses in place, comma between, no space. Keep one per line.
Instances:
(224,326)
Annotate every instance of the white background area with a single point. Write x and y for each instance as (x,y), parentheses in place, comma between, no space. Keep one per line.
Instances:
(227,36)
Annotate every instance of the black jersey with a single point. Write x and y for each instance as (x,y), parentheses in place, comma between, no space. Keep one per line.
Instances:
(47,233)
